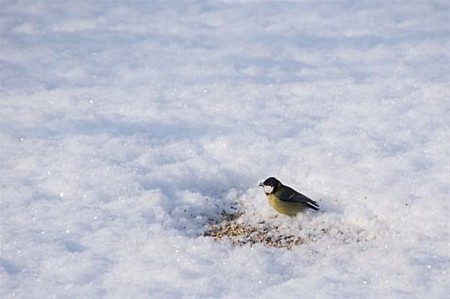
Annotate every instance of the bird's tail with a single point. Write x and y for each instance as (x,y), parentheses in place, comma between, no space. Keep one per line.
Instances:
(313,204)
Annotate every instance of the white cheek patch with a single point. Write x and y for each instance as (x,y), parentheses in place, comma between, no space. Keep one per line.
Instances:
(267,189)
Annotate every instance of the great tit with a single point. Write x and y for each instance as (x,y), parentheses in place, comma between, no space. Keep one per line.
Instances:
(286,200)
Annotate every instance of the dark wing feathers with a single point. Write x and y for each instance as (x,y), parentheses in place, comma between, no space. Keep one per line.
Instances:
(302,198)
(289,194)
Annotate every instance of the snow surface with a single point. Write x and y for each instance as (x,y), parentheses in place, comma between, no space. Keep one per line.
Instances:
(126,127)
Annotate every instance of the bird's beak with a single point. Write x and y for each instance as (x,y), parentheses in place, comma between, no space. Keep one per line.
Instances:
(261,184)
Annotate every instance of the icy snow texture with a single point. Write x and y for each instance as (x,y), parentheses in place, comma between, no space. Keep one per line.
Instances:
(127,126)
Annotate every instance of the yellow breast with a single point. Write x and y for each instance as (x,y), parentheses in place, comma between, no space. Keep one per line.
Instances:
(284,207)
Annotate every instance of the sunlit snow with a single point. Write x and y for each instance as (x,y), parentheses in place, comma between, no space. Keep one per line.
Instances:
(129,128)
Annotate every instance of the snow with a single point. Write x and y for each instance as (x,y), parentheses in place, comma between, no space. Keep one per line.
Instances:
(127,128)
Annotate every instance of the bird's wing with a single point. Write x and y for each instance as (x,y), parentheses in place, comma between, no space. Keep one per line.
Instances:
(293,196)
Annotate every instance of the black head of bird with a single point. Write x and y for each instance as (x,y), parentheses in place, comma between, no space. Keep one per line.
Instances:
(270,185)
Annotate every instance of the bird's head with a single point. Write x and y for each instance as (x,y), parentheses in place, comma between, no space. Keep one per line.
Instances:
(270,185)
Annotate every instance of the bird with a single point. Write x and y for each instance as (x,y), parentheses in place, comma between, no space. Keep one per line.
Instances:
(286,200)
